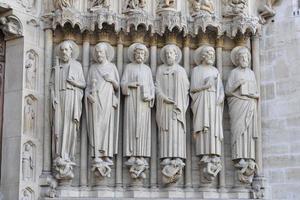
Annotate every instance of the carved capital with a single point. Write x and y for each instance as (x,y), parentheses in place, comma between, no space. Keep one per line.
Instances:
(220,42)
(187,41)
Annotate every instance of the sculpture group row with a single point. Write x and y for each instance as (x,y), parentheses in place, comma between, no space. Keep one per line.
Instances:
(100,93)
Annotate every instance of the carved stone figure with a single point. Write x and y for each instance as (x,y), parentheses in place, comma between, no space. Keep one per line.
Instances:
(30,67)
(247,170)
(235,7)
(27,4)
(172,170)
(29,116)
(166,4)
(63,4)
(242,95)
(211,166)
(66,89)
(265,9)
(10,26)
(138,166)
(99,4)
(26,195)
(27,163)
(202,7)
(207,94)
(102,100)
(138,89)
(172,89)
(134,5)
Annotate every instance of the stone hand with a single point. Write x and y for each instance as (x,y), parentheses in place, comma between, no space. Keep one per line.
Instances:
(107,78)
(91,98)
(133,84)
(169,100)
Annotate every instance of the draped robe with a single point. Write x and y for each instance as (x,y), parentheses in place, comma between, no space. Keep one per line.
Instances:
(103,115)
(137,113)
(69,108)
(207,113)
(172,82)
(242,112)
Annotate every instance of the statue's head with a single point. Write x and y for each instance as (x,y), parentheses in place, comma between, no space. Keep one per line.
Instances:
(139,53)
(207,55)
(100,53)
(241,57)
(66,49)
(171,55)
(27,147)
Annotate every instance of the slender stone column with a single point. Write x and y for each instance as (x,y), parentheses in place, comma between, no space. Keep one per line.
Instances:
(219,52)
(153,164)
(119,162)
(188,162)
(256,69)
(47,132)
(83,139)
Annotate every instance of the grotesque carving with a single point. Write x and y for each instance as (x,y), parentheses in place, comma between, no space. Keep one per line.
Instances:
(247,170)
(31,67)
(27,4)
(66,89)
(27,162)
(10,26)
(63,4)
(138,166)
(29,115)
(211,166)
(204,7)
(102,104)
(265,9)
(207,94)
(134,5)
(172,170)
(235,8)
(166,4)
(258,187)
(138,88)
(242,95)
(99,4)
(172,86)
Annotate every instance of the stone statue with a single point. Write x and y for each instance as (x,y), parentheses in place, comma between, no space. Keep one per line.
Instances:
(138,166)
(247,170)
(242,95)
(238,6)
(102,101)
(27,4)
(26,195)
(66,89)
(29,116)
(166,4)
(27,163)
(172,89)
(63,4)
(30,67)
(98,4)
(134,5)
(207,94)
(202,7)
(138,89)
(265,9)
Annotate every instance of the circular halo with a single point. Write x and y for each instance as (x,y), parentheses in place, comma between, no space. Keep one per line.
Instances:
(110,52)
(235,51)
(131,49)
(163,55)
(75,49)
(197,57)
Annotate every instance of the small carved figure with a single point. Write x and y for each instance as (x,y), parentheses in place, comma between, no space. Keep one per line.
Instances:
(101,167)
(30,67)
(247,169)
(134,5)
(27,163)
(29,116)
(211,167)
(9,26)
(202,7)
(98,4)
(265,9)
(166,4)
(63,4)
(26,195)
(238,6)
(138,166)
(172,170)
(27,4)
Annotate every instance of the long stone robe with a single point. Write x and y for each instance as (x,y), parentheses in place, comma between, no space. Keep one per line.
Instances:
(207,113)
(172,82)
(103,115)
(242,112)
(137,112)
(69,108)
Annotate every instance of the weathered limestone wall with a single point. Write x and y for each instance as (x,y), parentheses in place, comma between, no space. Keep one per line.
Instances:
(280,61)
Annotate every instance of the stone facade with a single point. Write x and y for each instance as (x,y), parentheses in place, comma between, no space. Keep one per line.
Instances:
(31,48)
